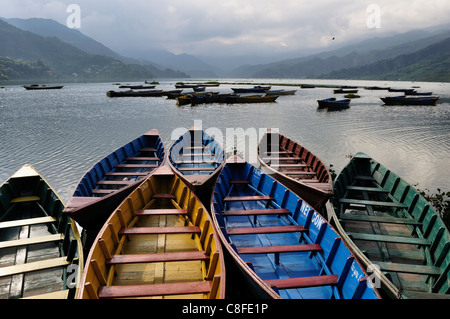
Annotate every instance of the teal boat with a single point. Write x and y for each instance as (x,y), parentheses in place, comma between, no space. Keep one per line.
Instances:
(392,229)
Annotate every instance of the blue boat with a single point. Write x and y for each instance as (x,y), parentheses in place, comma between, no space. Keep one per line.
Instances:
(280,245)
(113,178)
(197,159)
(333,104)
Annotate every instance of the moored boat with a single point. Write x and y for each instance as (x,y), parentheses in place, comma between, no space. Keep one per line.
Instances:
(410,100)
(42,87)
(280,244)
(281,92)
(197,159)
(401,90)
(236,99)
(255,89)
(131,93)
(333,104)
(344,91)
(392,229)
(296,167)
(114,177)
(42,256)
(137,87)
(160,242)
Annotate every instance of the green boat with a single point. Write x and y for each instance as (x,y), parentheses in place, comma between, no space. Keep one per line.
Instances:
(41,256)
(392,229)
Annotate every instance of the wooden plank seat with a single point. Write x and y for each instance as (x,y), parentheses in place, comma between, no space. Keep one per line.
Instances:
(279,152)
(371,202)
(196,154)
(289,165)
(291,158)
(196,168)
(27,222)
(279,249)
(114,182)
(195,147)
(103,191)
(195,162)
(408,268)
(34,266)
(142,158)
(364,178)
(31,241)
(266,230)
(299,173)
(239,182)
(391,239)
(25,199)
(160,230)
(136,166)
(251,212)
(159,257)
(179,288)
(163,196)
(246,198)
(303,282)
(127,173)
(379,219)
(367,189)
(148,149)
(157,212)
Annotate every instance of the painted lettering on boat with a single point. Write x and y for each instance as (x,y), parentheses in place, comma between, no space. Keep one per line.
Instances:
(355,273)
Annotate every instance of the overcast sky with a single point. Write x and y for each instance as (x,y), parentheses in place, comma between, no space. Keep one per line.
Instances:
(234,27)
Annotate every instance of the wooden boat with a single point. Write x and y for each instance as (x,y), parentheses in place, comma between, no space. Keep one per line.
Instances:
(114,177)
(281,92)
(131,93)
(137,87)
(410,100)
(296,167)
(160,242)
(41,252)
(401,90)
(418,93)
(376,88)
(236,98)
(392,229)
(332,103)
(43,87)
(307,86)
(281,245)
(255,89)
(210,98)
(197,159)
(344,91)
(185,99)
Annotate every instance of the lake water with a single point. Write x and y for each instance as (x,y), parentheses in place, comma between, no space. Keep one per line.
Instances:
(62,133)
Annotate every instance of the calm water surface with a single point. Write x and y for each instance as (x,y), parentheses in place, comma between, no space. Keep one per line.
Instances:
(62,133)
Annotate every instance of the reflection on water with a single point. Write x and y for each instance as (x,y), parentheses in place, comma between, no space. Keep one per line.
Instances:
(62,133)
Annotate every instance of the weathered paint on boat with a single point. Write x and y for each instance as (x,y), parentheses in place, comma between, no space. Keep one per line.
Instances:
(160,242)
(42,256)
(113,178)
(282,246)
(392,229)
(197,159)
(296,167)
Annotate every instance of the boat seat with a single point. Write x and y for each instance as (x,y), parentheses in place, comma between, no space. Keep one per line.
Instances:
(251,212)
(391,239)
(367,189)
(158,257)
(364,178)
(25,199)
(34,266)
(279,152)
(196,154)
(196,162)
(196,168)
(266,230)
(303,282)
(181,288)
(148,149)
(142,158)
(103,191)
(127,173)
(379,219)
(371,202)
(299,173)
(114,182)
(136,166)
(240,182)
(265,159)
(408,268)
(27,222)
(289,165)
(31,241)
(246,198)
(279,249)
(163,196)
(160,230)
(156,212)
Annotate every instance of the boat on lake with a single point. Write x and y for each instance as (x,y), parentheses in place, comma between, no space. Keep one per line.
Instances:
(401,90)
(42,256)
(42,87)
(344,91)
(237,99)
(334,104)
(114,177)
(418,93)
(410,100)
(255,89)
(137,87)
(376,88)
(296,167)
(281,92)
(197,159)
(280,245)
(132,93)
(392,229)
(159,242)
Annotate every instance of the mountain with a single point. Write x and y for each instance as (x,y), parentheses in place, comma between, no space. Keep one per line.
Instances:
(353,55)
(429,64)
(68,62)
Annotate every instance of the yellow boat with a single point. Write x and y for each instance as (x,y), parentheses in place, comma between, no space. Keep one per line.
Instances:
(40,246)
(159,243)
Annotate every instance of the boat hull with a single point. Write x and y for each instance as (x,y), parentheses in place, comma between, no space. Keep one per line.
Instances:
(160,242)
(402,100)
(392,229)
(261,221)
(306,175)
(42,256)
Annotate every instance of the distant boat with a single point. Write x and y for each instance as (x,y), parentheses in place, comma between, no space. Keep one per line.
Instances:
(376,88)
(344,91)
(39,243)
(281,92)
(199,89)
(418,93)
(334,104)
(132,93)
(409,100)
(401,90)
(113,178)
(232,99)
(255,89)
(137,87)
(307,86)
(43,87)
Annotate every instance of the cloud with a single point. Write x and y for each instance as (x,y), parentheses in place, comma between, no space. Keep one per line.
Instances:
(233,27)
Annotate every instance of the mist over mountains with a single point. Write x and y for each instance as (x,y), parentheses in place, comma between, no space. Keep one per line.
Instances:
(45,50)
